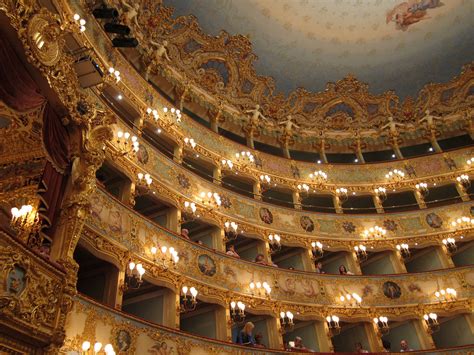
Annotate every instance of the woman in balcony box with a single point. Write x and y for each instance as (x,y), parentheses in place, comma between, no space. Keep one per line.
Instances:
(245,336)
(343,270)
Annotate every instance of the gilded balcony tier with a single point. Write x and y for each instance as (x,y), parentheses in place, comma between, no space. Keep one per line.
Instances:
(113,229)
(366,117)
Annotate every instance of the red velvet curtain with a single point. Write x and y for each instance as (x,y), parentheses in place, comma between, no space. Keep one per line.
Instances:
(19,91)
(17,88)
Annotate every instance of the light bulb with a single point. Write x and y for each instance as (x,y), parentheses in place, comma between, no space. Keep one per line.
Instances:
(108,348)
(232,305)
(86,346)
(97,347)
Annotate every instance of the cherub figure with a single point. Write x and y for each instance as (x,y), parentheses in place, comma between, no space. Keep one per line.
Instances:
(162,51)
(256,114)
(131,15)
(392,126)
(289,124)
(429,119)
(157,55)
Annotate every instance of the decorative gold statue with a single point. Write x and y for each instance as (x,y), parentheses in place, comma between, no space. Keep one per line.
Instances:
(289,124)
(392,127)
(131,15)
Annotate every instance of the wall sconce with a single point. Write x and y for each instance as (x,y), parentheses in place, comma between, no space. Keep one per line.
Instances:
(351,299)
(133,276)
(86,346)
(79,22)
(361,252)
(173,112)
(422,187)
(286,322)
(382,325)
(274,242)
(227,164)
(190,207)
(190,142)
(381,193)
(374,232)
(404,250)
(448,294)
(188,301)
(260,289)
(319,177)
(126,143)
(212,199)
(317,250)
(431,321)
(114,74)
(395,175)
(303,188)
(230,230)
(464,181)
(265,182)
(341,193)
(144,180)
(245,158)
(463,222)
(168,256)
(450,244)
(333,325)
(152,112)
(237,312)
(25,221)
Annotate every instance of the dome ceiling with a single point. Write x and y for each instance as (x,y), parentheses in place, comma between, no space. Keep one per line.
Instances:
(391,45)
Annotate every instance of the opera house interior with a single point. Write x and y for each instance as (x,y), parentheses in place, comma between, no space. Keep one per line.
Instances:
(236,177)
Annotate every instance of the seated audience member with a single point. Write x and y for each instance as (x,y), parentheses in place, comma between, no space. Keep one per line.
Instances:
(343,270)
(185,233)
(359,348)
(386,346)
(299,344)
(231,251)
(200,242)
(319,268)
(245,336)
(258,341)
(404,346)
(260,259)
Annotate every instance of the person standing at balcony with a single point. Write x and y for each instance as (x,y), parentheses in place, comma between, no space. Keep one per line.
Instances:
(246,335)
(231,251)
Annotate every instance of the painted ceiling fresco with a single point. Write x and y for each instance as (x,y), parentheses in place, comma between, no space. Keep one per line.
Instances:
(390,44)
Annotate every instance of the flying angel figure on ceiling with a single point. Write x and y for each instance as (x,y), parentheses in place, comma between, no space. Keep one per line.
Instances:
(410,12)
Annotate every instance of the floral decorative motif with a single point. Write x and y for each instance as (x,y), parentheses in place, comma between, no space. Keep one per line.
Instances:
(349,227)
(225,201)
(390,225)
(414,288)
(183,181)
(433,220)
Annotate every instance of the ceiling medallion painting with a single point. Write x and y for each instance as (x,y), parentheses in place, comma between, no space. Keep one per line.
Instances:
(226,66)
